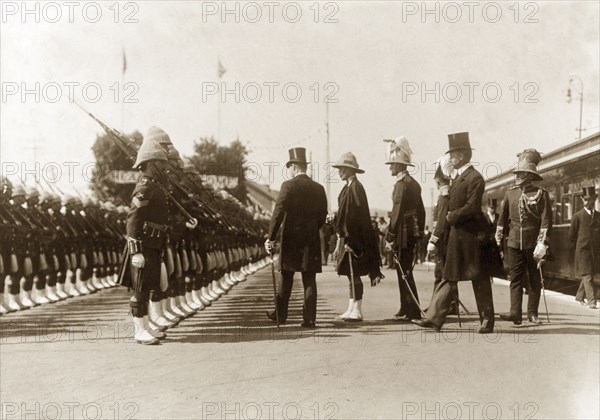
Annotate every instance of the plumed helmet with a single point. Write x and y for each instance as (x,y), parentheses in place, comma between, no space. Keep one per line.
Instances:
(444,168)
(399,151)
(528,161)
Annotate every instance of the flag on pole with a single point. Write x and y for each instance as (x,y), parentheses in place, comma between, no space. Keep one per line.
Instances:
(220,69)
(124,61)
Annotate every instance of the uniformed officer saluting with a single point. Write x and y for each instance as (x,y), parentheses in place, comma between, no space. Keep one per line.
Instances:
(148,224)
(527,212)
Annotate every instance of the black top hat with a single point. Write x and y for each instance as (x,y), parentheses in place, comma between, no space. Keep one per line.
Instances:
(492,202)
(589,192)
(297,155)
(459,141)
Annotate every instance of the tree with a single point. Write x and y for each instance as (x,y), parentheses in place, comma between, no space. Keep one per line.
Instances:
(213,159)
(110,159)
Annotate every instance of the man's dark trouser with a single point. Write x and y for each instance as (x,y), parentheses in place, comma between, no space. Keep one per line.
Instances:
(447,290)
(284,290)
(408,306)
(523,267)
(587,289)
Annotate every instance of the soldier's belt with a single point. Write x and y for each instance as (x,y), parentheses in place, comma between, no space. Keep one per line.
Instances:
(154,230)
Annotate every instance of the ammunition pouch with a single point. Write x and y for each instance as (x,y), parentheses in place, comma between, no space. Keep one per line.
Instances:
(134,246)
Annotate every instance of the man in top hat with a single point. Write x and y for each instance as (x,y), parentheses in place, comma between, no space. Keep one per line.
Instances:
(300,211)
(490,214)
(463,256)
(526,213)
(584,235)
(406,226)
(148,223)
(357,241)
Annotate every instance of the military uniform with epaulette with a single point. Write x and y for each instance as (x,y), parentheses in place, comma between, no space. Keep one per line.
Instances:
(527,214)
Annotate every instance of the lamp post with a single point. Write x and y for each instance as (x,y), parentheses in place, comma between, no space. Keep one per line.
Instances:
(570,98)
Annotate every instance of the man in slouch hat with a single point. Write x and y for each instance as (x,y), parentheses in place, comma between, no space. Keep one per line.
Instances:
(300,211)
(468,229)
(406,226)
(357,241)
(527,214)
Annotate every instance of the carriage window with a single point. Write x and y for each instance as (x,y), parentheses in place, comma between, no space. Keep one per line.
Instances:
(567,209)
(577,203)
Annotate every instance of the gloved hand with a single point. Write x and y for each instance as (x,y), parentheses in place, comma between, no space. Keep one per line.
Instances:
(539,252)
(431,248)
(388,245)
(348,249)
(269,245)
(138,260)
(191,224)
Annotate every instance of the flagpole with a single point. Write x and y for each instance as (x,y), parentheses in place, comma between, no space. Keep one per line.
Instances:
(327,157)
(122,89)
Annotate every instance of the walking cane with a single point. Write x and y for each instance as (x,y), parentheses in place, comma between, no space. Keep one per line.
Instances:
(463,306)
(540,263)
(351,276)
(274,288)
(456,301)
(403,275)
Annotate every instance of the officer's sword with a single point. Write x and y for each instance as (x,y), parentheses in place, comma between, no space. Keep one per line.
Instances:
(540,263)
(403,275)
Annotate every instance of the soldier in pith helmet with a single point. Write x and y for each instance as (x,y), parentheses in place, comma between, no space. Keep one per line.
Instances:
(148,223)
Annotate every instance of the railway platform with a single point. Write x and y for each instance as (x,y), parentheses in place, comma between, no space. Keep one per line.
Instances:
(77,359)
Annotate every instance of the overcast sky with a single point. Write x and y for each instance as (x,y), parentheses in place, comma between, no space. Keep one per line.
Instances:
(370,56)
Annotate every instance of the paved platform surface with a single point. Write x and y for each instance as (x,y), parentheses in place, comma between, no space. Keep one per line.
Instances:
(76,359)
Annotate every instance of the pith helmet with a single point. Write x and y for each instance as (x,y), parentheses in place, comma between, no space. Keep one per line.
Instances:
(150,150)
(18,190)
(528,161)
(348,160)
(399,151)
(158,135)
(189,167)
